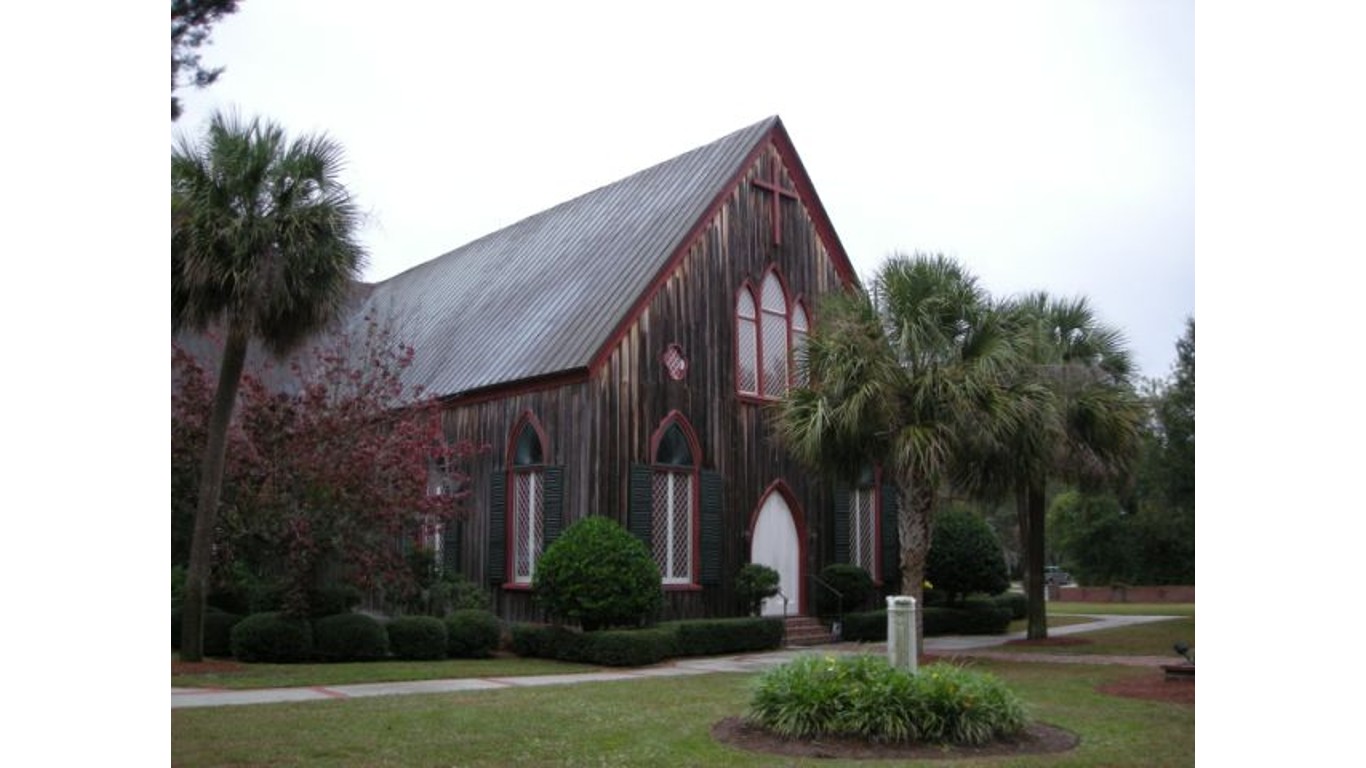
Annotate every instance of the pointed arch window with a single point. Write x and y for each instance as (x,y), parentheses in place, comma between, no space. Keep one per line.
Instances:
(747,343)
(770,332)
(801,328)
(773,336)
(674,474)
(526,476)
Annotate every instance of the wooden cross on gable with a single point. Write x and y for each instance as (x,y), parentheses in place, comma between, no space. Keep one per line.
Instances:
(773,185)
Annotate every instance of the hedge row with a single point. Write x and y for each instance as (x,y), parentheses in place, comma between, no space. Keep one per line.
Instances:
(638,647)
(976,617)
(275,637)
(709,637)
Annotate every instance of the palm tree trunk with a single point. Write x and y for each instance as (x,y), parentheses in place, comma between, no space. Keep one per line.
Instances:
(914,525)
(1029,507)
(210,488)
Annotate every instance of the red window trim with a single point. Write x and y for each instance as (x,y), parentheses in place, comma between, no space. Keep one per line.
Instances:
(527,418)
(758,396)
(695,479)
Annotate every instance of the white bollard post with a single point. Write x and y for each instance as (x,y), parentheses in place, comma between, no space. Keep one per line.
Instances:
(901,650)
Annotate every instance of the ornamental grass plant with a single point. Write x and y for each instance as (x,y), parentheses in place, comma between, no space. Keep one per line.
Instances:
(863,696)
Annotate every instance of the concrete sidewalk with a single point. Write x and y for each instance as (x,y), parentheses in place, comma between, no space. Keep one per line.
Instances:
(944,646)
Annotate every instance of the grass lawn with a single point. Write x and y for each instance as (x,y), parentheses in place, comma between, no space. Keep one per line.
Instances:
(659,722)
(1020,625)
(289,675)
(1124,609)
(1153,639)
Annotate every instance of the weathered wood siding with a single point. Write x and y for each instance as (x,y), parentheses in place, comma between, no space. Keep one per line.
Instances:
(597,428)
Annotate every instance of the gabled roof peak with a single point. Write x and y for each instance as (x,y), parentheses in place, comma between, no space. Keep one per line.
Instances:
(542,295)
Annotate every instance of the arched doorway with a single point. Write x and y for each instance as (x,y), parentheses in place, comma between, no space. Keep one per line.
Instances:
(775,541)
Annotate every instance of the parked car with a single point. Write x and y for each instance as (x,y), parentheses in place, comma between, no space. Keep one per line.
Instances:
(1054,576)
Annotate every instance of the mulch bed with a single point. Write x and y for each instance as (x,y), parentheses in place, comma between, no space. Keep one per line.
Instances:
(1038,739)
(1152,686)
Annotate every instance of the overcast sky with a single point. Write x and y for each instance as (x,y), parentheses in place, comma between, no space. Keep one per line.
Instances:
(1047,145)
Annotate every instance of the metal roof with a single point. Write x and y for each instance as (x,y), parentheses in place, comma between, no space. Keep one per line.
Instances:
(544,295)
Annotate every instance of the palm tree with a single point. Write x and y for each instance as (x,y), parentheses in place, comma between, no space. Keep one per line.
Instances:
(263,246)
(911,377)
(1089,430)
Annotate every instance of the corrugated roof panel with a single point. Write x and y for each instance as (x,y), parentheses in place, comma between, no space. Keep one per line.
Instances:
(543,295)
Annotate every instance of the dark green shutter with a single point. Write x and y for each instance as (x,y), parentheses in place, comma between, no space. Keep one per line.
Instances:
(841,524)
(553,521)
(498,528)
(710,534)
(450,547)
(891,543)
(638,516)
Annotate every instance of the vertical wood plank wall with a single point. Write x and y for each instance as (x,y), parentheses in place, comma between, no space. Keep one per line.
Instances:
(597,428)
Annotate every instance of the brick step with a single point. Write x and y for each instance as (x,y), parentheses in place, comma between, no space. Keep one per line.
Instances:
(806,631)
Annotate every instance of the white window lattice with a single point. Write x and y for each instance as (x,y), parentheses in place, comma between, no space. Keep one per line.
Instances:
(862,528)
(800,328)
(528,537)
(774,330)
(747,329)
(672,525)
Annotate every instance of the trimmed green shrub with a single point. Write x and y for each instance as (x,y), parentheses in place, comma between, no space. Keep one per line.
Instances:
(218,632)
(709,637)
(218,626)
(417,638)
(853,583)
(454,592)
(866,627)
(862,696)
(332,599)
(1015,602)
(976,616)
(272,637)
(472,634)
(598,575)
(965,556)
(547,641)
(625,647)
(350,637)
(755,583)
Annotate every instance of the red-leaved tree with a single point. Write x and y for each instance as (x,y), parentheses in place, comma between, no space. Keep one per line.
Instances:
(334,468)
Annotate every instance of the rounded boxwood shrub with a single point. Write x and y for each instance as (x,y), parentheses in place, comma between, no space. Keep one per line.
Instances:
(1015,602)
(853,583)
(272,637)
(862,696)
(598,575)
(965,557)
(417,638)
(350,637)
(755,583)
(471,634)
(217,630)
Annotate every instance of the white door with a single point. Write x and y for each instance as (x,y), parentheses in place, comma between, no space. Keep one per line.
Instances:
(775,544)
